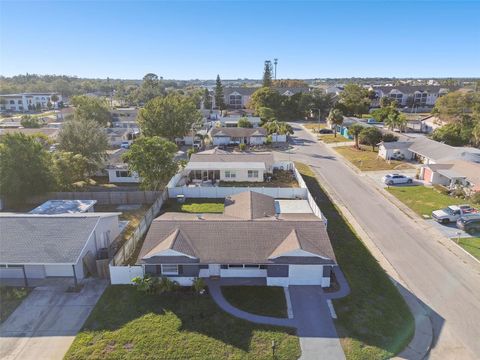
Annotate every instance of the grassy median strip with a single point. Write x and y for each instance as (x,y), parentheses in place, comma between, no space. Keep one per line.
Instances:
(128,324)
(373,321)
(259,300)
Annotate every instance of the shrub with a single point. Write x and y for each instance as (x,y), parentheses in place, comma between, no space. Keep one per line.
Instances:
(242,147)
(475,198)
(166,285)
(269,140)
(388,137)
(191,151)
(198,285)
(146,283)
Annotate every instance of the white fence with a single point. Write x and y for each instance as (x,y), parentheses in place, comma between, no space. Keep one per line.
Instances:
(311,201)
(221,192)
(124,274)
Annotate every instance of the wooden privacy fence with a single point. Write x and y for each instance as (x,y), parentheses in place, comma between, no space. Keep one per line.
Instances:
(127,249)
(102,197)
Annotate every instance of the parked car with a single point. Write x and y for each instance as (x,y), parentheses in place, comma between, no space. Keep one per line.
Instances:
(398,155)
(197,144)
(394,179)
(371,121)
(452,213)
(125,145)
(325,131)
(469,223)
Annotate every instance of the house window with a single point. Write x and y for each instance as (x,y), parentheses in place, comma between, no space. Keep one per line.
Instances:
(170,269)
(235,101)
(19,102)
(230,174)
(122,173)
(236,266)
(253,173)
(12,102)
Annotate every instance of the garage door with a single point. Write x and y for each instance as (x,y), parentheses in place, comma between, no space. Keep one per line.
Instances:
(58,270)
(305,274)
(11,272)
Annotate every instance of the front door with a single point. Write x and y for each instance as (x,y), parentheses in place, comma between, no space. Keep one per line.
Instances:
(214,269)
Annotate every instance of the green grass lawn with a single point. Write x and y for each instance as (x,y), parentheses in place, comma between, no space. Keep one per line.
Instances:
(373,321)
(259,300)
(472,245)
(128,324)
(10,298)
(367,160)
(423,200)
(332,139)
(195,206)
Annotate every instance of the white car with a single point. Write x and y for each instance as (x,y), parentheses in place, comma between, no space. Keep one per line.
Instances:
(394,179)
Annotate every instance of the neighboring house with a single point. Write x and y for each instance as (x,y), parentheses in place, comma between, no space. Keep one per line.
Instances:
(234,136)
(66,245)
(420,95)
(117,170)
(51,133)
(431,123)
(236,97)
(219,165)
(190,138)
(54,207)
(430,151)
(335,90)
(250,239)
(389,150)
(28,101)
(116,136)
(290,91)
(457,172)
(232,121)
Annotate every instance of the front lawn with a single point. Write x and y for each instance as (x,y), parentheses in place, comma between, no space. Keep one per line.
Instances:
(197,206)
(423,200)
(10,298)
(472,245)
(259,300)
(373,321)
(126,323)
(367,160)
(332,139)
(315,126)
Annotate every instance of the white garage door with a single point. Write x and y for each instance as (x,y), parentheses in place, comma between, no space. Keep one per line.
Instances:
(305,274)
(32,272)
(58,270)
(11,273)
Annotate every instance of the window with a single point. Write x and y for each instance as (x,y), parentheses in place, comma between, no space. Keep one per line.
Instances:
(122,173)
(233,266)
(236,266)
(170,269)
(12,102)
(253,173)
(19,102)
(230,174)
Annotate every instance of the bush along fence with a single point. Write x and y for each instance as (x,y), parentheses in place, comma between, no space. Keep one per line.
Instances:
(125,252)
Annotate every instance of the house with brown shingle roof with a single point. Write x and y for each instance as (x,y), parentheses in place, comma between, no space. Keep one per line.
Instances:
(235,136)
(250,239)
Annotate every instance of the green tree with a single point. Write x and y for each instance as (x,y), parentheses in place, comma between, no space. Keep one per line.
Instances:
(152,158)
(69,168)
(170,117)
(335,118)
(383,113)
(266,97)
(396,120)
(244,123)
(91,108)
(266,114)
(24,168)
(370,136)
(207,100)
(87,138)
(355,100)
(152,86)
(28,121)
(317,102)
(219,96)
(355,130)
(267,74)
(454,134)
(278,127)
(385,101)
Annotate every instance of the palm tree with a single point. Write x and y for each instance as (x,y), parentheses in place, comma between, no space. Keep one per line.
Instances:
(335,118)
(278,127)
(355,130)
(396,121)
(54,99)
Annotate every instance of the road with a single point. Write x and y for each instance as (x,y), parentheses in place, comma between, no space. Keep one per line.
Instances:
(440,275)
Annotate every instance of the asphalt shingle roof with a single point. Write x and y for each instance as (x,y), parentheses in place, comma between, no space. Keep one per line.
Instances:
(43,239)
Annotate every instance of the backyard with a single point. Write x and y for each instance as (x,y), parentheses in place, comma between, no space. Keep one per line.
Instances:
(423,200)
(279,178)
(367,160)
(127,323)
(259,300)
(198,206)
(373,321)
(10,298)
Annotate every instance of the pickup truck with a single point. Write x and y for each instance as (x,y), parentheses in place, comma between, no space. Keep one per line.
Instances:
(452,213)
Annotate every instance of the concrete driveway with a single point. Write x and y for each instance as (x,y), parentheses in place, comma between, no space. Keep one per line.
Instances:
(378,175)
(45,324)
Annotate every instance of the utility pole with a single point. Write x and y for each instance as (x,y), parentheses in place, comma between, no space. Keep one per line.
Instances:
(275,62)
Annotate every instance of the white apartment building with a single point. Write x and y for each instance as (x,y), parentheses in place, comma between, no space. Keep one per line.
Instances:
(27,101)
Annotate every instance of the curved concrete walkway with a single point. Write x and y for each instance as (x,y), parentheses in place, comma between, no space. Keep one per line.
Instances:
(311,315)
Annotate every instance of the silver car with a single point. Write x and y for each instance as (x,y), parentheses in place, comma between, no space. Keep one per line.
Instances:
(394,179)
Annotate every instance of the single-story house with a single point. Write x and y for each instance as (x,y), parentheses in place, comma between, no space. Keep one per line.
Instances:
(189,138)
(232,121)
(54,207)
(234,136)
(220,165)
(65,245)
(116,136)
(430,151)
(389,150)
(464,173)
(48,132)
(117,170)
(248,240)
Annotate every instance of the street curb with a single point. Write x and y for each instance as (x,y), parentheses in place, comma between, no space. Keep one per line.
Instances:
(422,340)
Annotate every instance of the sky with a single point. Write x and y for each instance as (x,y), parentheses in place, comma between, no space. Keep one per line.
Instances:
(198,40)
